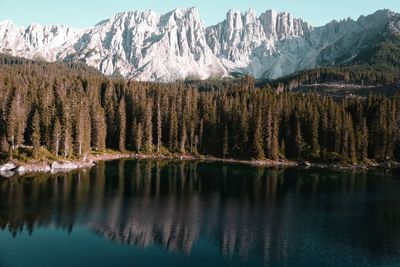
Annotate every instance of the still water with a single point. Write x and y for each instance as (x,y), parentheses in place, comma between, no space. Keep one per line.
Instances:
(148,213)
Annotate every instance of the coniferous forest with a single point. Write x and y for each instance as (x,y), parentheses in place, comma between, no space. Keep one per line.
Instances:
(72,110)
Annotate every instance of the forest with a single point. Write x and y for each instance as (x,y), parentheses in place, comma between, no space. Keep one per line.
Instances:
(71,110)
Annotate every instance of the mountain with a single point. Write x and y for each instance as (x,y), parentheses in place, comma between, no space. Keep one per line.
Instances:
(177,45)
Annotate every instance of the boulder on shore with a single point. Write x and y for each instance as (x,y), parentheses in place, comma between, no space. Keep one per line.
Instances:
(21,169)
(305,164)
(59,166)
(7,166)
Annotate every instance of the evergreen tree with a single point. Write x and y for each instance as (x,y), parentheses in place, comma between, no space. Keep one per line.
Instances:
(139,137)
(121,125)
(298,142)
(67,139)
(148,128)
(352,156)
(258,150)
(364,147)
(225,144)
(283,148)
(315,147)
(99,128)
(79,132)
(56,137)
(66,131)
(173,128)
(159,126)
(35,136)
(274,155)
(183,138)
(269,134)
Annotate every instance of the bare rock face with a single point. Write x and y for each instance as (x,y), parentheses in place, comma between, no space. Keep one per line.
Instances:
(394,26)
(146,46)
(177,45)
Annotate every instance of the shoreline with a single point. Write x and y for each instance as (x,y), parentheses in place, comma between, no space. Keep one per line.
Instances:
(272,163)
(15,168)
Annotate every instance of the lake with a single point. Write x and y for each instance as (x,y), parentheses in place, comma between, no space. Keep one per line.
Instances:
(149,213)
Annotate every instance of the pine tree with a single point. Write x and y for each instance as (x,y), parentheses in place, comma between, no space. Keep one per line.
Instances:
(183,138)
(148,128)
(225,145)
(298,142)
(352,147)
(268,134)
(121,125)
(66,130)
(364,148)
(275,140)
(201,131)
(379,137)
(282,148)
(99,128)
(35,136)
(337,130)
(111,113)
(67,139)
(159,126)
(244,129)
(56,137)
(173,128)
(87,130)
(258,144)
(324,130)
(345,140)
(139,137)
(315,147)
(79,132)
(12,123)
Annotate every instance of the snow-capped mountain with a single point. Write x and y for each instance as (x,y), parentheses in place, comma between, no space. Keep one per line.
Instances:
(177,45)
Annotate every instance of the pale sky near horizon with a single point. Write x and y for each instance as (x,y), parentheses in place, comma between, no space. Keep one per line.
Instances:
(85,13)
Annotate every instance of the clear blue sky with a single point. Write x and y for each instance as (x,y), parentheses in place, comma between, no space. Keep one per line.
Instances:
(83,13)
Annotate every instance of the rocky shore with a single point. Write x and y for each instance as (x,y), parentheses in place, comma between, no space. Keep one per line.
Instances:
(14,168)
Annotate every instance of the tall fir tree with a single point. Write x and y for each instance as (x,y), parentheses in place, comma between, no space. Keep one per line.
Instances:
(121,117)
(148,128)
(35,134)
(56,137)
(258,144)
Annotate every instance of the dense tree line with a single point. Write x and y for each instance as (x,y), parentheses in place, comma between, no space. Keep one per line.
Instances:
(72,112)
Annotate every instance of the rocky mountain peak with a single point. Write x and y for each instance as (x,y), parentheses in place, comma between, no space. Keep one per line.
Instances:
(147,46)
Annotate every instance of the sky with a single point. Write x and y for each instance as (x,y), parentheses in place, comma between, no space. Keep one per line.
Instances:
(86,13)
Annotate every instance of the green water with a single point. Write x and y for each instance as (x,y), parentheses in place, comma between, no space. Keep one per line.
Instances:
(147,213)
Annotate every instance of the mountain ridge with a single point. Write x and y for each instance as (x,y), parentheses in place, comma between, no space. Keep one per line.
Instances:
(177,45)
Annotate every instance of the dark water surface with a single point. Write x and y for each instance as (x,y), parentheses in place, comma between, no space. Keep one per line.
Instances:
(147,213)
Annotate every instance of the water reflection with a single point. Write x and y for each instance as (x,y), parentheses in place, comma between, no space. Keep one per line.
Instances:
(273,214)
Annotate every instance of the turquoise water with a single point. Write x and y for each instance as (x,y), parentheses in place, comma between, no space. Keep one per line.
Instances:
(146,213)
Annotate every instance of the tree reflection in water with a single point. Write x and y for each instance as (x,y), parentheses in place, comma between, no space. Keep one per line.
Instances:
(245,210)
